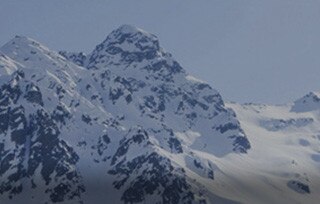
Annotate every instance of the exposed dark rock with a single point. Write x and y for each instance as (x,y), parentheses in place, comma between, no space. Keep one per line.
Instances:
(298,186)
(175,145)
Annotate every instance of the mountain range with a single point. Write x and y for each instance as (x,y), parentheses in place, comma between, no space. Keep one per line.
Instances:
(127,124)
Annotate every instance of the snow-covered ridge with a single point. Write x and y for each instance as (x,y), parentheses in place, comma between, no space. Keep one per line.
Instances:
(24,45)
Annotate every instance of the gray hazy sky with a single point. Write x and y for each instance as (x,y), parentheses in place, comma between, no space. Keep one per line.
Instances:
(251,51)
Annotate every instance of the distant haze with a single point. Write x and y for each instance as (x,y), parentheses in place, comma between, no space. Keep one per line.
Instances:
(251,51)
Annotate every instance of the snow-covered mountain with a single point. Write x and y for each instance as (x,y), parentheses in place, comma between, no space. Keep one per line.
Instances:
(309,102)
(127,124)
(124,123)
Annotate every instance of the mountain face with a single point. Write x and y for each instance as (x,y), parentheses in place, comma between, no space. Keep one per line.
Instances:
(126,124)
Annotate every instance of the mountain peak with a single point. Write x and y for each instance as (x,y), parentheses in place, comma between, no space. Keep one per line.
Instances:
(309,102)
(126,44)
(27,51)
(132,39)
(19,41)
(315,94)
(129,31)
(126,28)
(21,46)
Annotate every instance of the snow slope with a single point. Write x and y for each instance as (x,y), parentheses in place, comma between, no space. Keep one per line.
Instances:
(283,163)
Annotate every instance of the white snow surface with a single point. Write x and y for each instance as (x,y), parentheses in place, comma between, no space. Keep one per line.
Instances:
(283,153)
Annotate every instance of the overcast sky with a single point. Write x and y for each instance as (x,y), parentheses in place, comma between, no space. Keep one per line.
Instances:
(264,51)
